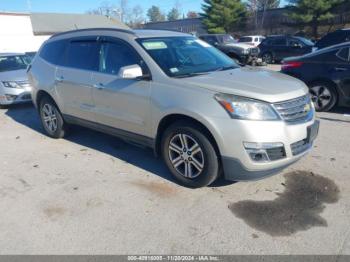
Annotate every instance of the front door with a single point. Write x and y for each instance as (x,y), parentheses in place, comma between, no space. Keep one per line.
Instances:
(120,103)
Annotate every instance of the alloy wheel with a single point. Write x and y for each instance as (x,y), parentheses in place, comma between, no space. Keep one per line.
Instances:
(49,117)
(321,96)
(186,155)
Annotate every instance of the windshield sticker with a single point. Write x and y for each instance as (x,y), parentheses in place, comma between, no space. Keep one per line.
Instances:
(202,43)
(154,45)
(174,70)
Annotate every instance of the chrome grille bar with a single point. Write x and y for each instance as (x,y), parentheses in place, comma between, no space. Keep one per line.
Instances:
(295,110)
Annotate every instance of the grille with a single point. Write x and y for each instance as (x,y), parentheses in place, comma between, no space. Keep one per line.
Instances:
(276,153)
(295,110)
(254,51)
(299,147)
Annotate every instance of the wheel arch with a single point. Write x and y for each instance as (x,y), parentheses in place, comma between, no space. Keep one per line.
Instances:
(325,80)
(40,95)
(168,120)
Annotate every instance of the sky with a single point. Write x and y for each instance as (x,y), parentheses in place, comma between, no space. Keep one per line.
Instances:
(81,6)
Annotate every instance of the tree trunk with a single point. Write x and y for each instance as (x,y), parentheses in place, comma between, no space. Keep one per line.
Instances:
(315,25)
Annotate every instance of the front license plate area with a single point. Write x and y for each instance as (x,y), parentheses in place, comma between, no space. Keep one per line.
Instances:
(312,132)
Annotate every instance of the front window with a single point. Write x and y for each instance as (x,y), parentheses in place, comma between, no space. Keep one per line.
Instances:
(13,62)
(185,56)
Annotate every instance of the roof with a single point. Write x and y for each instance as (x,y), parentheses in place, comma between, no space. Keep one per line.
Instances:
(52,23)
(145,33)
(10,54)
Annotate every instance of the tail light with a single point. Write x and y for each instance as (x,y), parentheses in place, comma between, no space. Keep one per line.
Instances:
(291,65)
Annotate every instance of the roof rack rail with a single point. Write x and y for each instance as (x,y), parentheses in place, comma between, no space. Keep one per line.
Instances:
(93,29)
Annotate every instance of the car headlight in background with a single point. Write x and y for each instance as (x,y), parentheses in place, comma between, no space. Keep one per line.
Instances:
(11,84)
(246,52)
(245,108)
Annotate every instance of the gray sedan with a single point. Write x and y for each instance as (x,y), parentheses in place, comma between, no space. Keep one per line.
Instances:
(14,86)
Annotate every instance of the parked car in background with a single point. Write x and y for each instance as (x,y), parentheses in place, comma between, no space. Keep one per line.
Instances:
(326,72)
(254,40)
(242,53)
(180,96)
(30,55)
(333,38)
(14,86)
(276,48)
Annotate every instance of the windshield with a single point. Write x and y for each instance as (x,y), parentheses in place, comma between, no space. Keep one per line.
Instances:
(185,56)
(13,62)
(305,41)
(228,39)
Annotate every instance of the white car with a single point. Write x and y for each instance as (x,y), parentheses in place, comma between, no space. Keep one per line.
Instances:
(253,40)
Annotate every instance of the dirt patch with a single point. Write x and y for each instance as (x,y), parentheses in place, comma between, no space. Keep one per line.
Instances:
(160,189)
(298,208)
(54,212)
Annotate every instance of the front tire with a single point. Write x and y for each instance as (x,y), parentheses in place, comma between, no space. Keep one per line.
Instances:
(51,119)
(267,58)
(190,155)
(323,95)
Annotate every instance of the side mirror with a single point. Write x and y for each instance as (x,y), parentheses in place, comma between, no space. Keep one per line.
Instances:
(130,72)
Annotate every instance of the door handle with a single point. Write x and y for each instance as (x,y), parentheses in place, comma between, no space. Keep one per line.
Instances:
(99,86)
(340,69)
(59,78)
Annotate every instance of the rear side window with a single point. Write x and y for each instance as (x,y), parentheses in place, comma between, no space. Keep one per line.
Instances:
(53,52)
(115,55)
(83,55)
(343,54)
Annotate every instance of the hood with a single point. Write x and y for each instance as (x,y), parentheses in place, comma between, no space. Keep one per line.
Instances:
(261,84)
(241,45)
(16,75)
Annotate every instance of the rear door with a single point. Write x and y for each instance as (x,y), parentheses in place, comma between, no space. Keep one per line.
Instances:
(341,71)
(121,103)
(73,79)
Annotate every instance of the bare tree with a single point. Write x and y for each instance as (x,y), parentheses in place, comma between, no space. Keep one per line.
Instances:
(136,17)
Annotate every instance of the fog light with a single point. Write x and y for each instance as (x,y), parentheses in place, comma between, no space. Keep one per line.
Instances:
(11,97)
(265,152)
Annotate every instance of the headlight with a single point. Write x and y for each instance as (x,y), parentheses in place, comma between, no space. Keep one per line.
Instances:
(11,84)
(246,52)
(245,108)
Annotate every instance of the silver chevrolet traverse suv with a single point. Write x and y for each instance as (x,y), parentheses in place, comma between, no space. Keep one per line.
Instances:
(205,115)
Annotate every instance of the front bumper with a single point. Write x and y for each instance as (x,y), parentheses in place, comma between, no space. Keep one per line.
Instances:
(9,96)
(238,164)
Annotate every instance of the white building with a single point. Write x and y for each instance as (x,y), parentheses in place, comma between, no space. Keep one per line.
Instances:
(24,32)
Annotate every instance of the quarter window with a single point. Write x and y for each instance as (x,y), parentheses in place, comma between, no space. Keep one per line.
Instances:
(53,52)
(83,55)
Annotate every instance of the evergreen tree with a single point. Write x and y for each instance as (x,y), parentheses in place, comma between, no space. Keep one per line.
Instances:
(155,15)
(313,12)
(223,16)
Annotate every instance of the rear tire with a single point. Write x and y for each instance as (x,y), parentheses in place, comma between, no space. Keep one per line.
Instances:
(51,118)
(324,96)
(190,155)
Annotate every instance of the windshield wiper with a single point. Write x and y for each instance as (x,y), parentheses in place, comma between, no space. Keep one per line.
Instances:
(191,74)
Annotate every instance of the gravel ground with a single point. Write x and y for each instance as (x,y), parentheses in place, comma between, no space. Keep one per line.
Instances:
(94,194)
